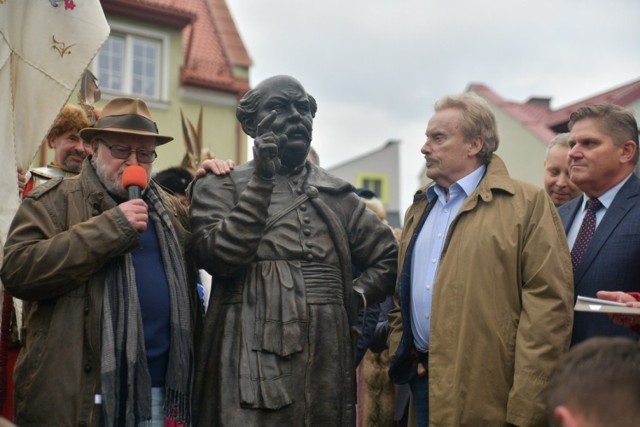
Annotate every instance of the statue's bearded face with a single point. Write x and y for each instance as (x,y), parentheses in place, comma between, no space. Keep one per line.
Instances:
(294,118)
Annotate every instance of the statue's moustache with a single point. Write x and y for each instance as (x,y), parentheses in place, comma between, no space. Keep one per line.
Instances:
(297,130)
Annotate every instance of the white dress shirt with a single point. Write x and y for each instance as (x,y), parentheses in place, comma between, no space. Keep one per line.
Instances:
(428,249)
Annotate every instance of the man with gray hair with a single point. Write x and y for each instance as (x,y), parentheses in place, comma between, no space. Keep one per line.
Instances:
(483,303)
(557,182)
(109,291)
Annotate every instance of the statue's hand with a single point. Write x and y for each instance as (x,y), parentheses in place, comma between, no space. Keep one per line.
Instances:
(265,148)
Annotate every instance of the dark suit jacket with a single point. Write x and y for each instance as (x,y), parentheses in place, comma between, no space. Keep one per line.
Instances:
(612,259)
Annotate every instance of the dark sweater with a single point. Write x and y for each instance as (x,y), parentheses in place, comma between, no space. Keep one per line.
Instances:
(155,304)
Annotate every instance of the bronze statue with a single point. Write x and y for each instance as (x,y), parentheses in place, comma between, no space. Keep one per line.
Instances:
(280,235)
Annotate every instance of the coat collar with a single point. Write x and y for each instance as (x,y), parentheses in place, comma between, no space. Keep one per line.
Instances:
(495,179)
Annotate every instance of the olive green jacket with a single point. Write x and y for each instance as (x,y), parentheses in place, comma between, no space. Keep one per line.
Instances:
(60,242)
(502,305)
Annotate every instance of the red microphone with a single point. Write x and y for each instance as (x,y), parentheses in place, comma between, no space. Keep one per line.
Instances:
(134,179)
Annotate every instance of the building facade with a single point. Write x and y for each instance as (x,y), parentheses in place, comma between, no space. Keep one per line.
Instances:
(178,56)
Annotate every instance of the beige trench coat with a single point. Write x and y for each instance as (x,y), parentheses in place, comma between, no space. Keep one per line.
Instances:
(502,305)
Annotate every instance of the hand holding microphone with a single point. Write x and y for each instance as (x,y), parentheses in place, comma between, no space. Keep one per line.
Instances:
(134,179)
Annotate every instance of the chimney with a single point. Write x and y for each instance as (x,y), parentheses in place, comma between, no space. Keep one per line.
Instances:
(540,101)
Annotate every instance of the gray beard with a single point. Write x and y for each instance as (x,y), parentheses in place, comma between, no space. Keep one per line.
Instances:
(113,185)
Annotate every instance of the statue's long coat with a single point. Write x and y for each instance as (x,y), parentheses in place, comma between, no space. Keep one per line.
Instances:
(276,348)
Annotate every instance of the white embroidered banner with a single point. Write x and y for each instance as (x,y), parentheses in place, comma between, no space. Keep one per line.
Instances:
(44,47)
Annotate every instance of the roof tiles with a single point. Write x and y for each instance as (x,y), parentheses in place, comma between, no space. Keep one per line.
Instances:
(541,120)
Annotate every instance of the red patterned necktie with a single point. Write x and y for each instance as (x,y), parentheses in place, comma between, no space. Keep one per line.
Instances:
(585,234)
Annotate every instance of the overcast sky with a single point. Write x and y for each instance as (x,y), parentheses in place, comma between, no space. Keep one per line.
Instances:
(377,67)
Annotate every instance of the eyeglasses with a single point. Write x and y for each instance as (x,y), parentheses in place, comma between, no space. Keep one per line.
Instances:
(123,153)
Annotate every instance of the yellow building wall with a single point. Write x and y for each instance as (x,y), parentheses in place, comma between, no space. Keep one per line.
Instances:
(220,127)
(522,151)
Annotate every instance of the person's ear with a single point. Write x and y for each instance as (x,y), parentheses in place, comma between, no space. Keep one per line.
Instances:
(51,142)
(629,149)
(94,146)
(475,146)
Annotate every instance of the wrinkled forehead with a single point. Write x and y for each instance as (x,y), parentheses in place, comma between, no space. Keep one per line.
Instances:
(285,95)
(448,119)
(587,126)
(283,87)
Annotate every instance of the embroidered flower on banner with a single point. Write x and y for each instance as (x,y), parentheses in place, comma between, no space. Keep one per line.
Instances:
(68,4)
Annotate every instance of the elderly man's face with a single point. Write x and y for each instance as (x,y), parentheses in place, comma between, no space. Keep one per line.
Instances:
(110,168)
(294,119)
(449,155)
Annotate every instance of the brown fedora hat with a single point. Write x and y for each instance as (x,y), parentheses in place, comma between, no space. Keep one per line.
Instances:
(125,115)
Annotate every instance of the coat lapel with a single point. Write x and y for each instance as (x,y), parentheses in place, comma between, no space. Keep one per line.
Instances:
(620,206)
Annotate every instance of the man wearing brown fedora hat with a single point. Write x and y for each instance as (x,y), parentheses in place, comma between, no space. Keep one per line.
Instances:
(109,291)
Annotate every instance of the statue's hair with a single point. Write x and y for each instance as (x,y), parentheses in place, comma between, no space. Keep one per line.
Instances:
(248,107)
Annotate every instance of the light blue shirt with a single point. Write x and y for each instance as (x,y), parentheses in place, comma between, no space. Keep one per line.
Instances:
(428,250)
(606,199)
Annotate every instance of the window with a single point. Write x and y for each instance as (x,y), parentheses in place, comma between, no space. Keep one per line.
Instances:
(133,62)
(145,76)
(111,64)
(374,182)
(374,185)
